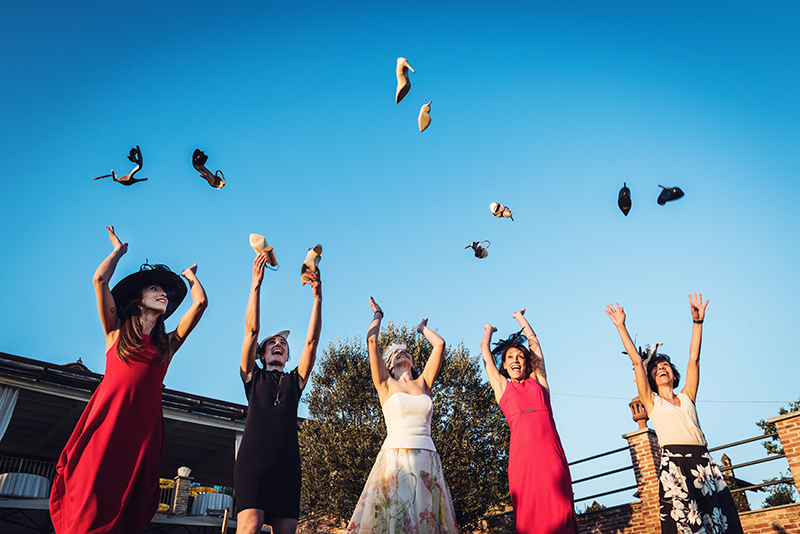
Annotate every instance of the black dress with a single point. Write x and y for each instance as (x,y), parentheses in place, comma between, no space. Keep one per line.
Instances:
(267,470)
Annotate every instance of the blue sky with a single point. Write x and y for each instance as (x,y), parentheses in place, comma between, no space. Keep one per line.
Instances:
(546,107)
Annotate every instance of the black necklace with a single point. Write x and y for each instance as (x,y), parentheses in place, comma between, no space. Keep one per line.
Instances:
(278,384)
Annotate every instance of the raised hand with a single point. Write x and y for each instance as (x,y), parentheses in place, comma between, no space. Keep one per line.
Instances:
(519,314)
(258,268)
(489,328)
(617,314)
(190,272)
(422,324)
(698,307)
(374,306)
(119,246)
(313,279)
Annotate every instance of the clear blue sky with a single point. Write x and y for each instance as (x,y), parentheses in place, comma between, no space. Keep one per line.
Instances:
(546,107)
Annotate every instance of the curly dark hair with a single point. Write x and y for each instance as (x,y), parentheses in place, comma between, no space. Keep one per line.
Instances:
(652,364)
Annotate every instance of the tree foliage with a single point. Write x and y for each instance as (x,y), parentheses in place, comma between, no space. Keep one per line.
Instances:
(780,494)
(341,440)
(773,445)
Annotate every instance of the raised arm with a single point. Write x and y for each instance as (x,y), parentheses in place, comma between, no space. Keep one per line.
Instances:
(617,315)
(496,380)
(379,373)
(193,314)
(698,309)
(309,355)
(434,363)
(540,374)
(105,300)
(252,320)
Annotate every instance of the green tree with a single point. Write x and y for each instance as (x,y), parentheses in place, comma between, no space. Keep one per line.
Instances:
(779,494)
(773,445)
(783,493)
(342,437)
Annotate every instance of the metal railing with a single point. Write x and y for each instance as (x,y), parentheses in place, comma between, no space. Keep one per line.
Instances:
(24,478)
(167,495)
(604,474)
(768,458)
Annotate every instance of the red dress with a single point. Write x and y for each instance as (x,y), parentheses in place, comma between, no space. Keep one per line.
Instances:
(538,475)
(107,475)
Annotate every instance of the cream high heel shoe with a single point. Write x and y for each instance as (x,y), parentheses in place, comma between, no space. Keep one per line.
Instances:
(310,263)
(403,83)
(424,118)
(259,244)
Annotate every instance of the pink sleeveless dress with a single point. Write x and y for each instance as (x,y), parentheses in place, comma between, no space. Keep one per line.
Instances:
(538,475)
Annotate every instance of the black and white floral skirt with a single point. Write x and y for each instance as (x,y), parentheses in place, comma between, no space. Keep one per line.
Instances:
(694,497)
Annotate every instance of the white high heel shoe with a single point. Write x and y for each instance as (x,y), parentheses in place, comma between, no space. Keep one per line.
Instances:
(403,83)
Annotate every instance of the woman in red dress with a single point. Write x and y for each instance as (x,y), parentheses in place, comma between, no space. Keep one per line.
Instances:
(107,475)
(538,475)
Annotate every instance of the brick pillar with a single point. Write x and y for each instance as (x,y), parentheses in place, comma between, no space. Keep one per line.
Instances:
(646,457)
(180,506)
(788,427)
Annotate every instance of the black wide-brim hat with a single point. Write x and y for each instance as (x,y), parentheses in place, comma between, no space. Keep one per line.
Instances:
(130,287)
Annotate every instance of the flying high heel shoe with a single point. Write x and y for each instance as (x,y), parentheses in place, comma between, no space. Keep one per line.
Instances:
(624,200)
(135,156)
(500,211)
(424,118)
(403,83)
(668,194)
(199,159)
(480,251)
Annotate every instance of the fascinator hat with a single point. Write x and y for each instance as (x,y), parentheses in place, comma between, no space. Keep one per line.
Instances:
(650,358)
(517,339)
(130,287)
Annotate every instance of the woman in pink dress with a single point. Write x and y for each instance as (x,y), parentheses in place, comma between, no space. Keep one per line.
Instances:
(107,475)
(538,475)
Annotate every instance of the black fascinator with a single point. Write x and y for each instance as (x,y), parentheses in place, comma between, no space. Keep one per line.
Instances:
(503,345)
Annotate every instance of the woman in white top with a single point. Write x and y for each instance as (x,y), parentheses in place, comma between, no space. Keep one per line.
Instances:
(694,498)
(405,491)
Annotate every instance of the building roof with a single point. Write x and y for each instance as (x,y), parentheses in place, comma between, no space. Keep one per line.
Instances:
(200,432)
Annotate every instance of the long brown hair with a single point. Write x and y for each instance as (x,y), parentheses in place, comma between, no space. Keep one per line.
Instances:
(130,342)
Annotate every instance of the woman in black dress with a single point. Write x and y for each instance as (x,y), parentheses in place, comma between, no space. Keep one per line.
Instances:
(267,471)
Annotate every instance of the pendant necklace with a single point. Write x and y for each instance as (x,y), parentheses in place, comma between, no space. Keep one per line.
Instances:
(277,387)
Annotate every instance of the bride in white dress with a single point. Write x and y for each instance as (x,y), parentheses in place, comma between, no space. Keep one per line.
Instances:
(406,491)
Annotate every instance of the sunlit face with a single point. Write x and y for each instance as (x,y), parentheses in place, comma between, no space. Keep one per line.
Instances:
(515,364)
(662,373)
(400,358)
(276,351)
(154,298)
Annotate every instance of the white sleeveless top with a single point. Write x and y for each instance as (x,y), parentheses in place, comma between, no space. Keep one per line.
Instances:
(408,422)
(676,425)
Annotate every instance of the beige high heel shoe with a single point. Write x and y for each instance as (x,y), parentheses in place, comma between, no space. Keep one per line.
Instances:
(310,263)
(424,118)
(259,244)
(403,83)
